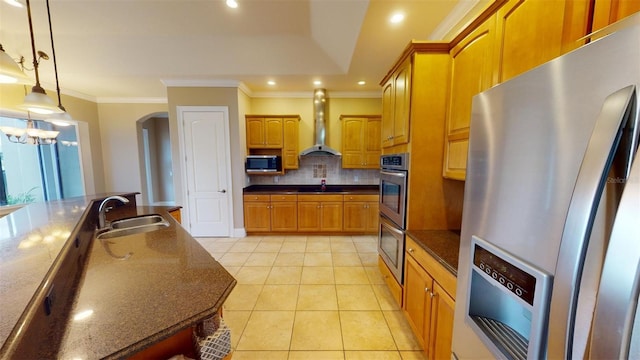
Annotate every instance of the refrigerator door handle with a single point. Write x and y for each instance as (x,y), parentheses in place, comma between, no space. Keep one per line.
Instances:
(620,281)
(592,178)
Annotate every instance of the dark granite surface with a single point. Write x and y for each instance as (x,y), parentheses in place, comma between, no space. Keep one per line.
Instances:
(168,283)
(312,189)
(443,245)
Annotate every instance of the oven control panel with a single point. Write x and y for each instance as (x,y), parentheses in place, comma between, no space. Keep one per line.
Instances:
(395,161)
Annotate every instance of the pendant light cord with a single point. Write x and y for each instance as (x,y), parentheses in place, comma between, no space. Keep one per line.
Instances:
(53,52)
(37,86)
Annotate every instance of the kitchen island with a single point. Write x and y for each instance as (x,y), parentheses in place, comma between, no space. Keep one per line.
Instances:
(66,294)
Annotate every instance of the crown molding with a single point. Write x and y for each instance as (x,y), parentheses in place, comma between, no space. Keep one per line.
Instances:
(131,100)
(309,94)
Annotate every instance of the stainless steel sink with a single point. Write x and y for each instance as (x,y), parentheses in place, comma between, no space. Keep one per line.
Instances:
(133,225)
(137,221)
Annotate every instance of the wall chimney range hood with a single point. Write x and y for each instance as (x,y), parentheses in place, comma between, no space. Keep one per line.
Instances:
(319,113)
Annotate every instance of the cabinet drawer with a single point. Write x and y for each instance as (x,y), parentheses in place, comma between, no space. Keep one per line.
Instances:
(256,197)
(441,275)
(320,198)
(368,198)
(284,197)
(394,287)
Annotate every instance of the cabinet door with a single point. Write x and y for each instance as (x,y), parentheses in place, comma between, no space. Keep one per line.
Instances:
(273,133)
(442,310)
(355,216)
(388,112)
(372,143)
(257,216)
(290,145)
(353,142)
(402,108)
(607,12)
(255,132)
(331,216)
(284,216)
(308,216)
(373,217)
(529,33)
(418,286)
(472,72)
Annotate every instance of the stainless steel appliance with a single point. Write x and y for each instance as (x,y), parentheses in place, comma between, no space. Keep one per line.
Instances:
(550,242)
(393,201)
(393,187)
(263,164)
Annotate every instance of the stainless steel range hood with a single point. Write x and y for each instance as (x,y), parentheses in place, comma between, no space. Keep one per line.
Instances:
(319,112)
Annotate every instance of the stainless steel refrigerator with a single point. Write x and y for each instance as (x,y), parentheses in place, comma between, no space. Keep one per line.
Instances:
(550,241)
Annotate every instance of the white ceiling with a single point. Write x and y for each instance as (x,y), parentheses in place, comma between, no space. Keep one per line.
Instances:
(117,49)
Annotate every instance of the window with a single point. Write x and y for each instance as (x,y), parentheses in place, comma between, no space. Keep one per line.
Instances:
(39,172)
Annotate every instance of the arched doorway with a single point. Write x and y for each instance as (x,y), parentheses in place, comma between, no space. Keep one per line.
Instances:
(156,168)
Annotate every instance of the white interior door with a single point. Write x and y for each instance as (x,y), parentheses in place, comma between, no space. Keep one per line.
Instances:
(207,170)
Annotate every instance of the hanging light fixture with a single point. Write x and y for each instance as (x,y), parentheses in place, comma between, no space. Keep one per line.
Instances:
(10,72)
(37,101)
(30,134)
(63,118)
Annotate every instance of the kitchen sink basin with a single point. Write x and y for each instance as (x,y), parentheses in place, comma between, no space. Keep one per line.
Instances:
(133,225)
(137,221)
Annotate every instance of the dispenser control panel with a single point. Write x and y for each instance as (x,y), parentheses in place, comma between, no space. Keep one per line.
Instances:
(507,275)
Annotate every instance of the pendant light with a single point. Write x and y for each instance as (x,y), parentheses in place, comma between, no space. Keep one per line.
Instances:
(63,118)
(37,101)
(10,72)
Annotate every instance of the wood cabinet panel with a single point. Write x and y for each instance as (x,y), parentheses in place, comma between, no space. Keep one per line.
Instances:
(441,333)
(264,132)
(394,287)
(417,300)
(308,215)
(361,213)
(471,73)
(361,141)
(396,105)
(331,216)
(388,113)
(257,216)
(607,12)
(284,216)
(255,132)
(290,143)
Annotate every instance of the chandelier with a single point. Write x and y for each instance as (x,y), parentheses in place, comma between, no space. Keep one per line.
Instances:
(30,134)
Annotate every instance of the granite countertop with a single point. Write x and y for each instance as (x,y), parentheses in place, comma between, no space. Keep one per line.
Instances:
(443,245)
(121,303)
(312,189)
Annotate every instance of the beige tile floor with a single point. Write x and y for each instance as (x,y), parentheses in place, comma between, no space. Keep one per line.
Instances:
(310,297)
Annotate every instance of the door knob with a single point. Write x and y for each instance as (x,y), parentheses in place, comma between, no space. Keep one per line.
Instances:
(222,191)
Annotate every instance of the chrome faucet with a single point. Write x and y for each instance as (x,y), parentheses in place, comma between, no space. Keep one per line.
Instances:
(103,209)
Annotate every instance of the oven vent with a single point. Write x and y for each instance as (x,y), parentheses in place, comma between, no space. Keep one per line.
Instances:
(319,113)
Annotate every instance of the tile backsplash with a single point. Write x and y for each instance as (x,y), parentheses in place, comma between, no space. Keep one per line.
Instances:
(312,169)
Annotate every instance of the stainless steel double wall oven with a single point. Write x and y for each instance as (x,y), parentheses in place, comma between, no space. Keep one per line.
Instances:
(393,203)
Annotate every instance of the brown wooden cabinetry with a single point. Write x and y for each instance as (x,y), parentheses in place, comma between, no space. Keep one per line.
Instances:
(361,213)
(396,104)
(176,214)
(264,132)
(290,142)
(320,213)
(607,12)
(471,72)
(429,293)
(360,141)
(264,213)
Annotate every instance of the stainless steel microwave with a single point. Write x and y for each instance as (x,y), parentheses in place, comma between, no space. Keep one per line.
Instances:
(259,164)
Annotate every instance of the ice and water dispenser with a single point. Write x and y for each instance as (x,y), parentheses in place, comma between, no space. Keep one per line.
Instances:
(508,302)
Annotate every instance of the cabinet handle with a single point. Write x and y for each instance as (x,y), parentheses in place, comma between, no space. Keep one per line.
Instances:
(432,295)
(410,250)
(427,289)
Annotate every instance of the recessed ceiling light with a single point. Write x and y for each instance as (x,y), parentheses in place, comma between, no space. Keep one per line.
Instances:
(271,82)
(16,3)
(317,82)
(361,82)
(232,4)
(396,18)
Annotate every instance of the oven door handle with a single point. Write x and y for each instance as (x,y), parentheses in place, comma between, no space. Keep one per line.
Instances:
(390,227)
(398,174)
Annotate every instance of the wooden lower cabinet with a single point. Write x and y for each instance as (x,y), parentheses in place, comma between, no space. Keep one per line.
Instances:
(264,213)
(427,306)
(361,213)
(320,213)
(176,214)
(394,287)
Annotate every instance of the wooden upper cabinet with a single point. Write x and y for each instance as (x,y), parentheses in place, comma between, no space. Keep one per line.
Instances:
(471,73)
(396,106)
(607,12)
(532,32)
(264,132)
(290,142)
(360,141)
